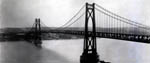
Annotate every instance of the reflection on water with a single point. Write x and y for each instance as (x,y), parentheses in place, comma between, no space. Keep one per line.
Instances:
(69,51)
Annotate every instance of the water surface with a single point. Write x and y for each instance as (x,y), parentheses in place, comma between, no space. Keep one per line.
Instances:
(69,51)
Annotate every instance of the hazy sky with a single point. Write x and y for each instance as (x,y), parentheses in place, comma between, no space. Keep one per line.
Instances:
(20,13)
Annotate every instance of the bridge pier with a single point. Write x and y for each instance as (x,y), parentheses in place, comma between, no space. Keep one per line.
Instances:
(89,58)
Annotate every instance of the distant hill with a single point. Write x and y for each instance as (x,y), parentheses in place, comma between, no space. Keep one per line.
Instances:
(9,30)
(112,30)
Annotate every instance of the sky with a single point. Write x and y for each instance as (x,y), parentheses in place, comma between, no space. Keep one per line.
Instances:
(54,13)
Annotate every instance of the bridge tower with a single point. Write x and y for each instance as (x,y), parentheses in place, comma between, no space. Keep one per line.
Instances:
(89,54)
(37,33)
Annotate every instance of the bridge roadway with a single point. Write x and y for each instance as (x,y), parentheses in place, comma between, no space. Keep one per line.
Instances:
(119,36)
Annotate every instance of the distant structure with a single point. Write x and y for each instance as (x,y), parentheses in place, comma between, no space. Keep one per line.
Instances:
(37,37)
(34,34)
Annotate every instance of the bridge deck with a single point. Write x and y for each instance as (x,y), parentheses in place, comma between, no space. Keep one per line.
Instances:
(120,36)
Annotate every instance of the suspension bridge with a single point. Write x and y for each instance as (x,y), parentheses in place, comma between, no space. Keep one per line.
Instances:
(94,21)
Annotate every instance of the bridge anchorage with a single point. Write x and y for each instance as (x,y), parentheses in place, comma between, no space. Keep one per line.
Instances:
(90,54)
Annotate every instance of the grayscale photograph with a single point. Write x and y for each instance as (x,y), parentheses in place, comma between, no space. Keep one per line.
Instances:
(74,31)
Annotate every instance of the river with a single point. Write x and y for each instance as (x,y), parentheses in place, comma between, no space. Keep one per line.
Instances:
(69,51)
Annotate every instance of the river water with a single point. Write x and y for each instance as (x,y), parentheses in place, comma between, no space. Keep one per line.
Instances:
(69,51)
